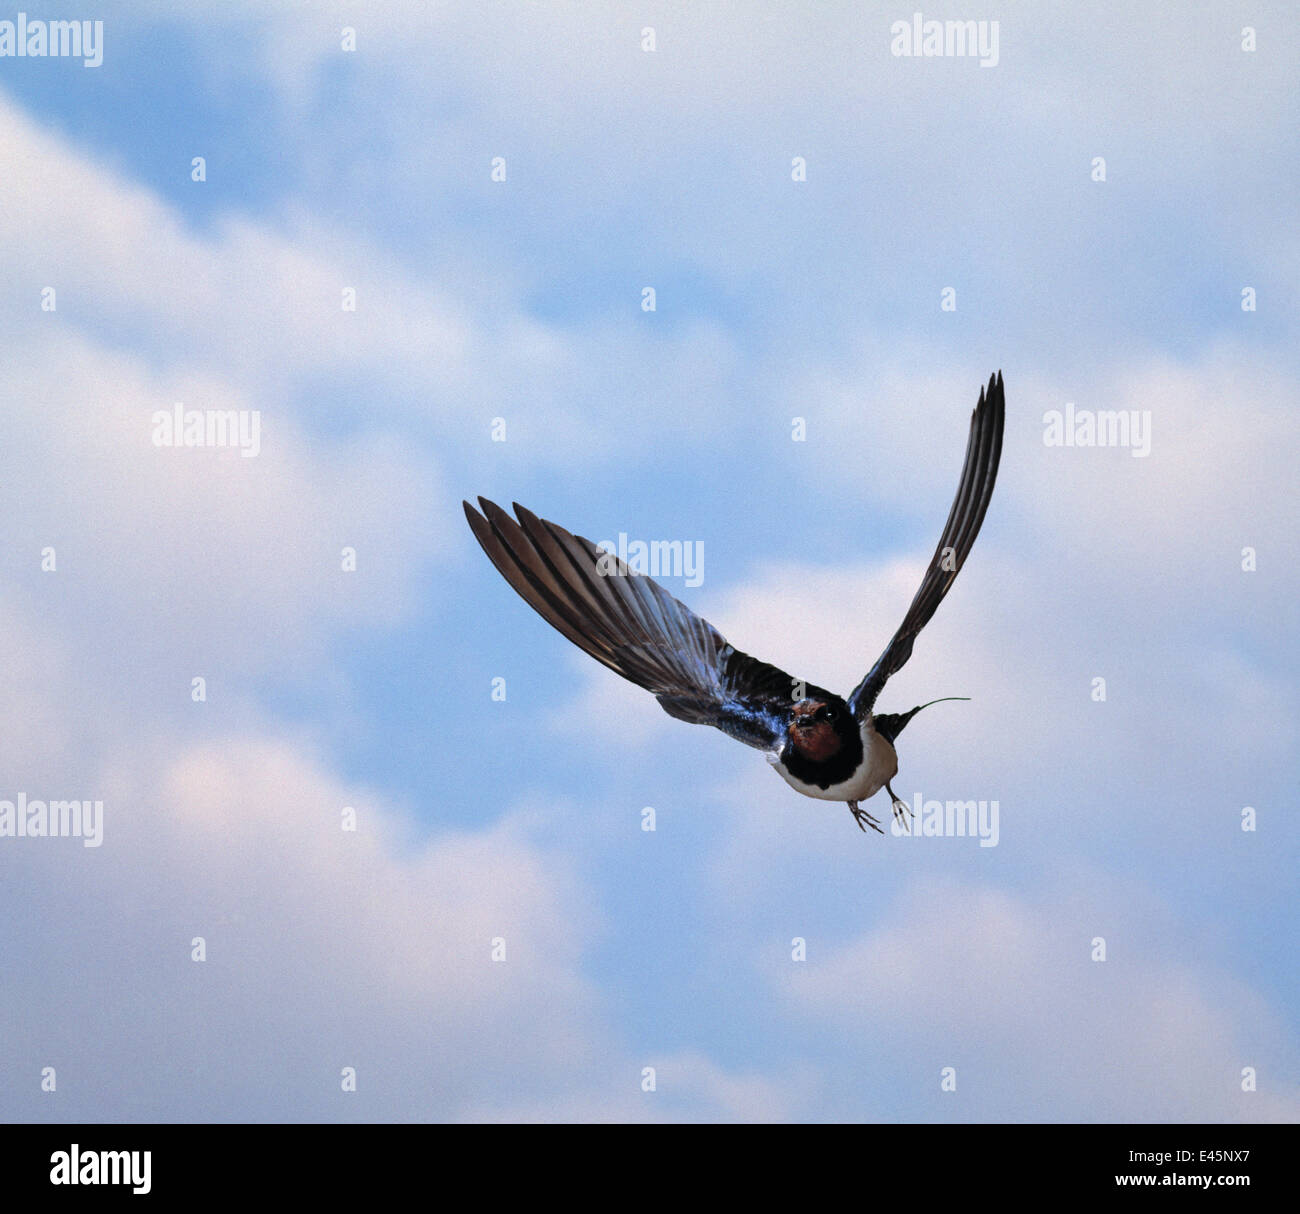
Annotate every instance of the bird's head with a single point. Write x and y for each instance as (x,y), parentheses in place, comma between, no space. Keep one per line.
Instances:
(817,727)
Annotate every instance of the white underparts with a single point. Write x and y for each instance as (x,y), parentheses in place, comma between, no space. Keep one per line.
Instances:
(879,763)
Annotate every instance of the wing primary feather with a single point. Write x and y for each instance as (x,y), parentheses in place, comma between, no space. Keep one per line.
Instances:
(966,516)
(631,624)
(538,591)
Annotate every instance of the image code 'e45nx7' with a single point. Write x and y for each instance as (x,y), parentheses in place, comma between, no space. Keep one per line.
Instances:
(822,745)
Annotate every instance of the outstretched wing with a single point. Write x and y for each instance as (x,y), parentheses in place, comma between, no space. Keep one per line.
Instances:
(983,450)
(635,627)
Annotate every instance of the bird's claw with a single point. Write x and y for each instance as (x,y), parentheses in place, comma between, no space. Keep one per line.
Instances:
(900,807)
(864,819)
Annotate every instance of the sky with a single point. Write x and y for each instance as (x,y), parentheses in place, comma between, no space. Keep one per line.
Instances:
(403,821)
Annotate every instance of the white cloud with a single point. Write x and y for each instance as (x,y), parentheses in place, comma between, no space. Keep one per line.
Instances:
(243,301)
(1003,988)
(325,948)
(687,1087)
(199,558)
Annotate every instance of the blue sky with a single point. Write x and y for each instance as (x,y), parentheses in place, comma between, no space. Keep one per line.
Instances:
(520,299)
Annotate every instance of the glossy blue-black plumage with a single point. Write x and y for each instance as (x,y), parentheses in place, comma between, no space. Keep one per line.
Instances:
(632,625)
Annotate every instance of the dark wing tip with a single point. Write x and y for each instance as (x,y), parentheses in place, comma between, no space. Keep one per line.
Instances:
(493,513)
(991,395)
(530,521)
(481,523)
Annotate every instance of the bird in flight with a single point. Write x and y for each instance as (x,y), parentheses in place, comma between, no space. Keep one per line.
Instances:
(821,745)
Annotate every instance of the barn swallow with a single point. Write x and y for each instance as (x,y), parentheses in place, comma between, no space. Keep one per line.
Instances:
(821,745)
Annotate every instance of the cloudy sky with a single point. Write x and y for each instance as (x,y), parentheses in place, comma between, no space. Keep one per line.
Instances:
(802,201)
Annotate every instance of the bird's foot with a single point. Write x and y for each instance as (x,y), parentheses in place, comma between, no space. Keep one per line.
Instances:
(900,808)
(864,819)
